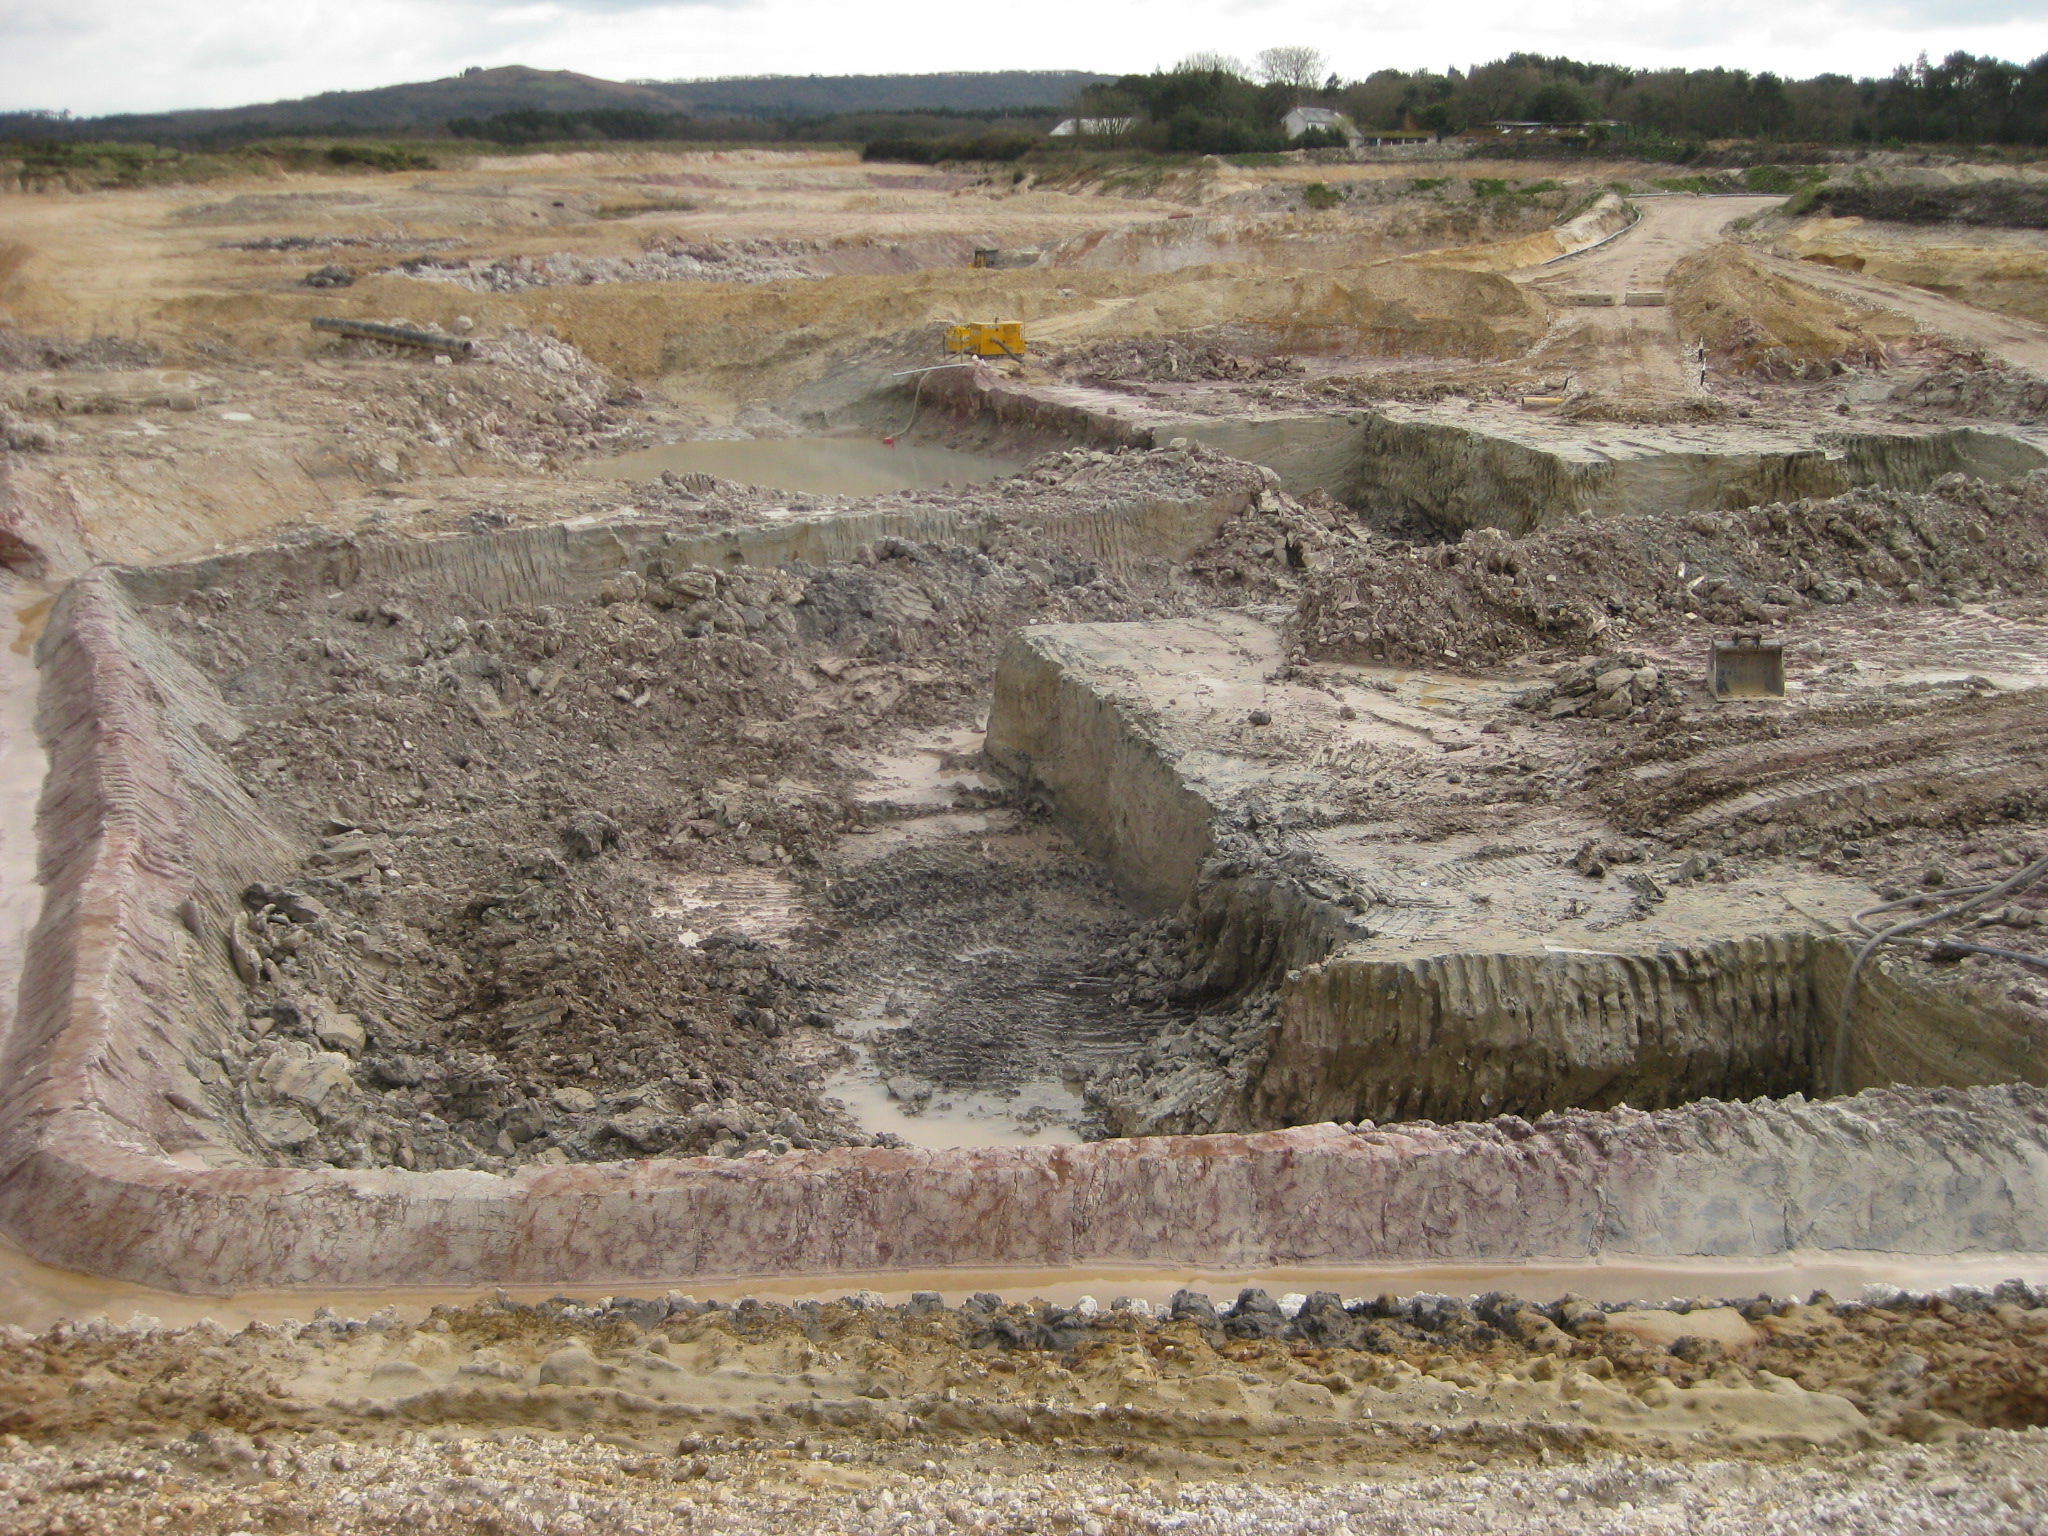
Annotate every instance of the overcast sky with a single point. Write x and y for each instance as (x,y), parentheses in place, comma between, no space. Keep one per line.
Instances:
(95,56)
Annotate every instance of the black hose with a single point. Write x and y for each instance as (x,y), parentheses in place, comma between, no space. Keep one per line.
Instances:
(1943,949)
(1977,896)
(1974,896)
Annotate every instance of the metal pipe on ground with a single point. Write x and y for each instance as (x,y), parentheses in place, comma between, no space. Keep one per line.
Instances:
(404,336)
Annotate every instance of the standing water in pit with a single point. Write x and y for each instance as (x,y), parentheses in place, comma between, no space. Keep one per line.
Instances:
(821,466)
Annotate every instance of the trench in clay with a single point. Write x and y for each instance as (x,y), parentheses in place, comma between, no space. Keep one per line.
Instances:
(970,1005)
(931,975)
(1445,468)
(810,880)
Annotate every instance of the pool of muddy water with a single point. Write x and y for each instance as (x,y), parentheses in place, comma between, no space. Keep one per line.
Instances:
(35,1296)
(820,466)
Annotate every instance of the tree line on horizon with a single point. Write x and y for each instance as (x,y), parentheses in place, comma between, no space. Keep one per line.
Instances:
(633,125)
(1215,104)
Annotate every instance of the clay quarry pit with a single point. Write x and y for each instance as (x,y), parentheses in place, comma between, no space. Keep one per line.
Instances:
(1263,818)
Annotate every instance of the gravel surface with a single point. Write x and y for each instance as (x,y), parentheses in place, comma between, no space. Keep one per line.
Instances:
(977,1419)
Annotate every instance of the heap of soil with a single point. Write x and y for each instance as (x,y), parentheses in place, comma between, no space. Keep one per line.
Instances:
(1757,323)
(1983,392)
(23,352)
(1490,598)
(666,260)
(1168,358)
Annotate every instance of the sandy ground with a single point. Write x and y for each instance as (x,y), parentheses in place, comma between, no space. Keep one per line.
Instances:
(2016,340)
(1637,350)
(854,1416)
(1669,228)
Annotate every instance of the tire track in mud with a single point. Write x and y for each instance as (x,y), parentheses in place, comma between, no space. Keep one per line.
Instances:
(1974,760)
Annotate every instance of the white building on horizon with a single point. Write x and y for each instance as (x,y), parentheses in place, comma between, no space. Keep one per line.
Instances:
(1302,119)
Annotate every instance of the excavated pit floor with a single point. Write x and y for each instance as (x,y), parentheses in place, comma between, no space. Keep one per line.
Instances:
(681,831)
(825,466)
(706,861)
(875,938)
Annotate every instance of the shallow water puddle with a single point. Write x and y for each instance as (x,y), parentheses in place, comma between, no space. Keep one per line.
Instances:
(821,466)
(915,776)
(1040,1115)
(762,904)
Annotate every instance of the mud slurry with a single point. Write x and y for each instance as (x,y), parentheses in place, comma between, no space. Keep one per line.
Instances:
(1486,1413)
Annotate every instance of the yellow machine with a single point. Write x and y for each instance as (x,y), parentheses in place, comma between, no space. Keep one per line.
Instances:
(1002,338)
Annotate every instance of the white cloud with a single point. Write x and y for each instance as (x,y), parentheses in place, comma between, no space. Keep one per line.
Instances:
(119,55)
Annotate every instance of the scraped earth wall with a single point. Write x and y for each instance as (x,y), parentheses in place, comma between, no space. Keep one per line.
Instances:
(1469,1034)
(1107,783)
(1467,479)
(1466,1035)
(1464,478)
(124,977)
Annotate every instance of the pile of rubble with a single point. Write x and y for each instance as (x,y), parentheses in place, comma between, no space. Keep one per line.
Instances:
(1981,394)
(1490,598)
(1169,359)
(524,399)
(21,352)
(666,260)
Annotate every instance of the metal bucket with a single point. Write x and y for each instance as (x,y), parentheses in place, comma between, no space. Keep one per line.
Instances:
(1747,667)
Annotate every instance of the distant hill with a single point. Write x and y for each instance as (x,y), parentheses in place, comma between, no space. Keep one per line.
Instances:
(822,95)
(424,107)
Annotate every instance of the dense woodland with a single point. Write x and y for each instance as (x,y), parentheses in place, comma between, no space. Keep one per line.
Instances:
(1962,100)
(1221,106)
(517,105)
(534,125)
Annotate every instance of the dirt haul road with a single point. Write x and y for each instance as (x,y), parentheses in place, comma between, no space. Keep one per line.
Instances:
(1636,348)
(2014,341)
